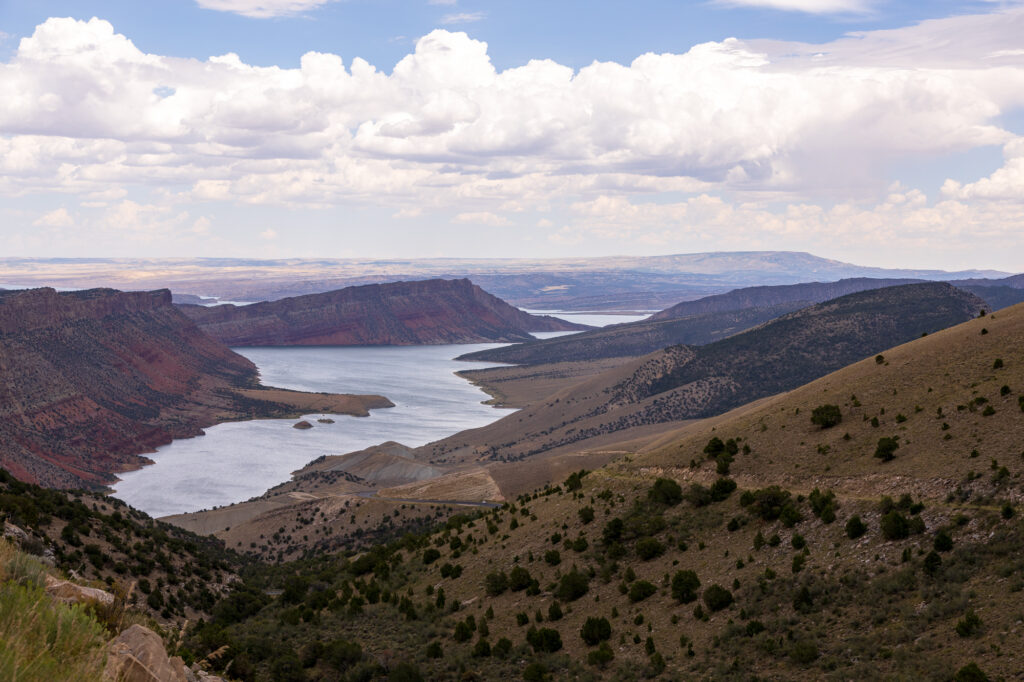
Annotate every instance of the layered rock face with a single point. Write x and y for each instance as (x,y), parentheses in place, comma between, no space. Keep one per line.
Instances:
(433,311)
(90,379)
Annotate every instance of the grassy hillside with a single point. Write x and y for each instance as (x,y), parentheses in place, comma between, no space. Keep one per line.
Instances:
(178,575)
(683,382)
(756,545)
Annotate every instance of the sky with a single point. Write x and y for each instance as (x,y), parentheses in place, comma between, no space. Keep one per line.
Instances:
(878,132)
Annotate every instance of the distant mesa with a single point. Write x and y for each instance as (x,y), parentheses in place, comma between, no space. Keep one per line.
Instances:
(302,425)
(325,420)
(434,311)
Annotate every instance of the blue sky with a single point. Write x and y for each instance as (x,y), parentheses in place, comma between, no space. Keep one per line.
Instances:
(571,32)
(874,131)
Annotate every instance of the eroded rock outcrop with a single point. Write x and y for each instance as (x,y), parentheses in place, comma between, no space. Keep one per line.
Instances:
(91,379)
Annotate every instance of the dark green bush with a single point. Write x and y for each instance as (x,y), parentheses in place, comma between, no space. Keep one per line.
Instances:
(595,630)
(855,527)
(943,541)
(826,416)
(970,673)
(969,625)
(572,586)
(684,586)
(665,491)
(886,449)
(721,489)
(495,583)
(717,598)
(894,526)
(649,548)
(766,503)
(519,579)
(544,640)
(601,656)
(586,514)
(641,590)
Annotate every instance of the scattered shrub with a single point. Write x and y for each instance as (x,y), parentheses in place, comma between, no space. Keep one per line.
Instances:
(969,625)
(544,640)
(641,590)
(649,548)
(595,630)
(572,586)
(684,586)
(855,527)
(601,656)
(826,416)
(886,449)
(495,583)
(970,673)
(894,526)
(717,598)
(665,491)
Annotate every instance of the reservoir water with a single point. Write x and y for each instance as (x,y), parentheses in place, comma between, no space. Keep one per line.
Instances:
(239,460)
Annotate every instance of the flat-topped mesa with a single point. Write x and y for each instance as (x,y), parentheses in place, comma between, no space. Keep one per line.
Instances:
(25,310)
(89,380)
(433,311)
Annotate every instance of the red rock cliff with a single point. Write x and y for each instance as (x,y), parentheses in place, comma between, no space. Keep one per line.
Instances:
(433,311)
(90,379)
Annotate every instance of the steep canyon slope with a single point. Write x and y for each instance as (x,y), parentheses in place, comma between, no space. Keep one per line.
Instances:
(91,379)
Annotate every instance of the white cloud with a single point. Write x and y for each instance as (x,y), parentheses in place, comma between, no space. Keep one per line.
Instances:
(905,222)
(56,218)
(442,2)
(262,9)
(481,218)
(446,128)
(268,234)
(1005,183)
(811,6)
(87,113)
(462,18)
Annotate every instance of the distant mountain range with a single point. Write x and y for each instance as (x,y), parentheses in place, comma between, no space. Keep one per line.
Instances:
(612,283)
(712,318)
(395,314)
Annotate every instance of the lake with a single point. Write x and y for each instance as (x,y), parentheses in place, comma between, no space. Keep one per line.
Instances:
(239,460)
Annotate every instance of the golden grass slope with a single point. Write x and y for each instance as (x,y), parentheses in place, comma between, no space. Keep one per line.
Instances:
(951,398)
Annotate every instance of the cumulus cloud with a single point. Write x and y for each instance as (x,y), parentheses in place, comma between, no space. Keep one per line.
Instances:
(87,113)
(56,218)
(1005,183)
(811,6)
(262,9)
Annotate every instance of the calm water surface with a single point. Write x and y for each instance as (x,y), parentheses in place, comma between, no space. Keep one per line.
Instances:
(239,460)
